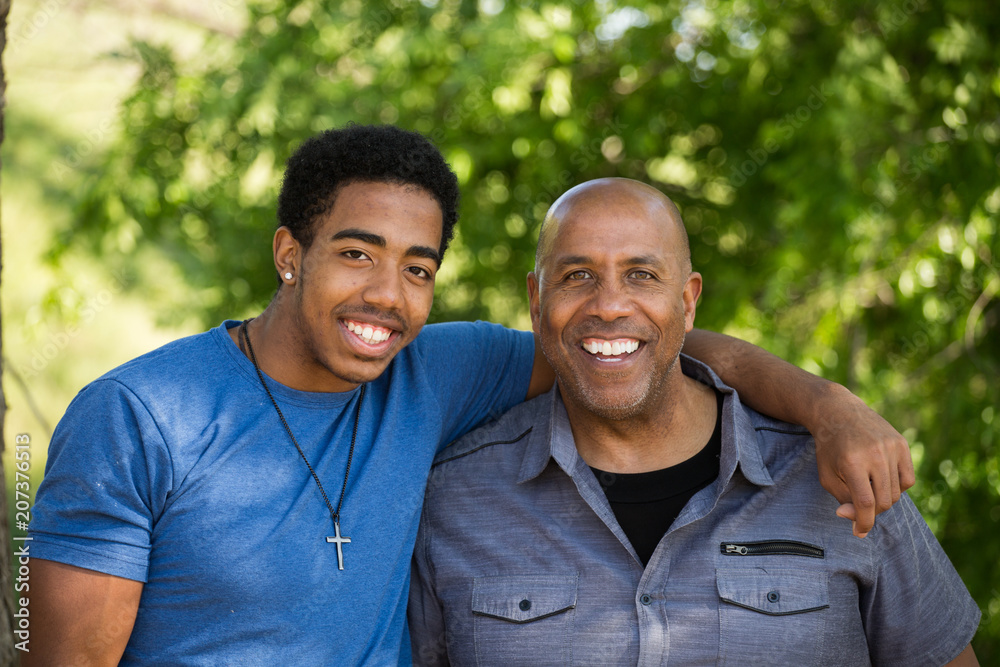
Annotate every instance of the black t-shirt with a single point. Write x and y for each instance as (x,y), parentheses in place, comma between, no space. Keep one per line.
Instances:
(647,503)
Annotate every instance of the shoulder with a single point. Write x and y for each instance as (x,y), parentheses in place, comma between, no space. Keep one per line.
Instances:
(779,441)
(746,420)
(765,425)
(187,361)
(482,468)
(769,450)
(509,433)
(173,384)
(490,457)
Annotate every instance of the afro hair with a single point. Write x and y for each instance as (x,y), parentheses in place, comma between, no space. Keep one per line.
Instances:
(362,153)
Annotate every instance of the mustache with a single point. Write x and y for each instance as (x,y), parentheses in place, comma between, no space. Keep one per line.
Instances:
(607,330)
(389,319)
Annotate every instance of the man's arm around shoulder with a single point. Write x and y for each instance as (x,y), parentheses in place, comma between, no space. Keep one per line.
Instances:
(79,616)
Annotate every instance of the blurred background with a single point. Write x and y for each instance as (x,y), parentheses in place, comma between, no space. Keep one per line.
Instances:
(836,164)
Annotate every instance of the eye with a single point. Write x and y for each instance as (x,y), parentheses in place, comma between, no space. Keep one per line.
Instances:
(354,254)
(420,272)
(579,274)
(640,274)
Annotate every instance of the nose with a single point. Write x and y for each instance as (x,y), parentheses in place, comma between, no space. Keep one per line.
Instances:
(384,289)
(609,302)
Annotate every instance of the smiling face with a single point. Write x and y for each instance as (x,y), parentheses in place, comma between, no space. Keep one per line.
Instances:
(612,296)
(364,288)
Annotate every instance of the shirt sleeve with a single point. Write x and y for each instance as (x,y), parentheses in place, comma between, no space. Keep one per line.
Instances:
(480,371)
(106,481)
(918,612)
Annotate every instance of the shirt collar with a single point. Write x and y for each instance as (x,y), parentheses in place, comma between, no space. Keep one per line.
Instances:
(552,437)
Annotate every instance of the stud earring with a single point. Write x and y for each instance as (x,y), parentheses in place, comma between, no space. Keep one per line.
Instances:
(288,275)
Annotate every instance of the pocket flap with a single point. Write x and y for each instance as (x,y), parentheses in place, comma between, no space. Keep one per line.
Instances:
(774,591)
(523,598)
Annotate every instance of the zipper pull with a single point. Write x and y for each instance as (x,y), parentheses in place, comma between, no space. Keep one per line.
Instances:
(736,549)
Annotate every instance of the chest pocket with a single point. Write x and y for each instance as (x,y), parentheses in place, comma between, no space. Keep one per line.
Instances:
(772,615)
(523,619)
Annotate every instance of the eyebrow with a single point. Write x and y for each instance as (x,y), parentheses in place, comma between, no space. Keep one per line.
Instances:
(576,260)
(359,235)
(380,242)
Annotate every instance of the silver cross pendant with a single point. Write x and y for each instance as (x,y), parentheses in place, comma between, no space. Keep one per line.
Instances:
(339,541)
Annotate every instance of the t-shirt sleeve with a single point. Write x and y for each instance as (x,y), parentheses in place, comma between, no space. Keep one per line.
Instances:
(479,369)
(106,480)
(919,611)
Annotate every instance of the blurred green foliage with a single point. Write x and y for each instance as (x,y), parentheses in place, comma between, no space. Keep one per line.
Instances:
(836,164)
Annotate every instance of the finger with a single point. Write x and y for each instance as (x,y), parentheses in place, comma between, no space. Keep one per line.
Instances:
(907,476)
(846,511)
(863,498)
(894,481)
(835,486)
(881,482)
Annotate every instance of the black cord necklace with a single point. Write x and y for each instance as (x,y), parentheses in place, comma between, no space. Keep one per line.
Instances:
(334,514)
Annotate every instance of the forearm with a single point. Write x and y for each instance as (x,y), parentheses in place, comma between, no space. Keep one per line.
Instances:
(766,383)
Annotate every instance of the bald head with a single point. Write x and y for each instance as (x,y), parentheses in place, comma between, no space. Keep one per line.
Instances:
(616,197)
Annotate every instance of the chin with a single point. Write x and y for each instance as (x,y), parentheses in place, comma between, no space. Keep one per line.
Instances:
(617,406)
(615,410)
(360,375)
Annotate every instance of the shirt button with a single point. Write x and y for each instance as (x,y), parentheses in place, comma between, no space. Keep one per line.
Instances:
(525,605)
(773,596)
(645,599)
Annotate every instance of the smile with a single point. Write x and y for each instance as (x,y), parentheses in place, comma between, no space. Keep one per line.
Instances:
(618,347)
(369,333)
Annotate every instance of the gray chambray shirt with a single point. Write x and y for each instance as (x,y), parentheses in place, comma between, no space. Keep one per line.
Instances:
(520,561)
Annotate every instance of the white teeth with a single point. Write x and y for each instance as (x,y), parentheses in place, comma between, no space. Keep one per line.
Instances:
(368,333)
(611,349)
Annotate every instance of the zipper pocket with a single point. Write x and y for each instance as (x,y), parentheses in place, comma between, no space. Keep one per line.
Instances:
(771,548)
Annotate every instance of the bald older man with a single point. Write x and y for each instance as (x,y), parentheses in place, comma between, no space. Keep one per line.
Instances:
(640,513)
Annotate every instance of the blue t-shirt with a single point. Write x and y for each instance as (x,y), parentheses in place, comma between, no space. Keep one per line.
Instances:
(175,470)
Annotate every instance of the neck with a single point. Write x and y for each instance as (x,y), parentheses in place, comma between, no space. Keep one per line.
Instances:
(282,355)
(672,431)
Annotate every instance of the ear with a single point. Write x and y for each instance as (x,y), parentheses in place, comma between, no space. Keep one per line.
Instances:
(287,255)
(533,302)
(692,290)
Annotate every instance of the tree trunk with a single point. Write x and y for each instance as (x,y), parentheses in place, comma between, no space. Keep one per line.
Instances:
(8,655)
